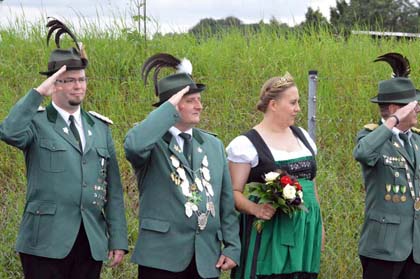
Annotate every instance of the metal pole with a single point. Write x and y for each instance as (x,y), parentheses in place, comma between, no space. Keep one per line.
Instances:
(312,87)
(144,23)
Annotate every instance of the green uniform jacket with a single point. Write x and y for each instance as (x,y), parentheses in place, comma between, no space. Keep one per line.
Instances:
(391,229)
(64,186)
(168,239)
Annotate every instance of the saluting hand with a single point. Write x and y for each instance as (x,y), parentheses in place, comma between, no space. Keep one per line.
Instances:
(404,111)
(175,99)
(48,86)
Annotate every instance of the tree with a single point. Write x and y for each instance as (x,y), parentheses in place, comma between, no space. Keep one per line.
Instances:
(388,15)
(314,19)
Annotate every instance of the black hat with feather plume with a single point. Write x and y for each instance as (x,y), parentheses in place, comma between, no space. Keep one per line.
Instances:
(399,89)
(74,58)
(170,85)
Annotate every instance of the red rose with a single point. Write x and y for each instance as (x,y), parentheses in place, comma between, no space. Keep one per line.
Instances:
(298,186)
(284,180)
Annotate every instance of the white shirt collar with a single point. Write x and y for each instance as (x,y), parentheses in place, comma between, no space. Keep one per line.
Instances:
(175,131)
(65,115)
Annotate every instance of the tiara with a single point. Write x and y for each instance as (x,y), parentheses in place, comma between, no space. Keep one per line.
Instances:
(283,81)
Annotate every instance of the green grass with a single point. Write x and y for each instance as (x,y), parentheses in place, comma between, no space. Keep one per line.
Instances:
(233,66)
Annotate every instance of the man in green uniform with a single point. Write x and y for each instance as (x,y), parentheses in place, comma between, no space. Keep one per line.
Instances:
(389,155)
(186,200)
(74,212)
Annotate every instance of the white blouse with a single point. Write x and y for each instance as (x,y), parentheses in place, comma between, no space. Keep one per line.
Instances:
(241,150)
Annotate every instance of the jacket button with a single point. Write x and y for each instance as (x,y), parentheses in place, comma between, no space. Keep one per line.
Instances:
(84,184)
(82,208)
(84,162)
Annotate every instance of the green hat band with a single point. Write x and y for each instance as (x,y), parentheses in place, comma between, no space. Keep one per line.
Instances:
(409,94)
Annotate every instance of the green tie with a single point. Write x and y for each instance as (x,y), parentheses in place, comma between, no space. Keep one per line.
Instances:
(75,131)
(187,146)
(407,146)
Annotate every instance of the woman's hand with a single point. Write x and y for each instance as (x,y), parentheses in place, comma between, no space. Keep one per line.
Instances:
(264,211)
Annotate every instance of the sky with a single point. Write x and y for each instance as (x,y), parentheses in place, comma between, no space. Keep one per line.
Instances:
(166,15)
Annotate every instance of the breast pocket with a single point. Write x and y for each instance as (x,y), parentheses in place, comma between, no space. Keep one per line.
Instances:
(396,167)
(52,155)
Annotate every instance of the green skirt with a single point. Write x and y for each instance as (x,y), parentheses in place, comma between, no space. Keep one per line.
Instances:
(289,246)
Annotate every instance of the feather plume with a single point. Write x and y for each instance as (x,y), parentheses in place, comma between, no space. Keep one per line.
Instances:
(83,54)
(185,66)
(53,25)
(157,62)
(399,64)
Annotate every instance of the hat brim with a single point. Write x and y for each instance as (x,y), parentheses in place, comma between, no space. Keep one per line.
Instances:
(401,101)
(200,87)
(68,68)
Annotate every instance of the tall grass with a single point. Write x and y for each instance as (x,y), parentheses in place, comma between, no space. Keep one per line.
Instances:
(233,65)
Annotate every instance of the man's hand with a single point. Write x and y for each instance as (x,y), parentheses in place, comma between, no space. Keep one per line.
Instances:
(115,256)
(48,86)
(225,263)
(175,99)
(403,112)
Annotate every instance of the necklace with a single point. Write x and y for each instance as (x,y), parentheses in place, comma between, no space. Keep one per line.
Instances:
(193,191)
(410,186)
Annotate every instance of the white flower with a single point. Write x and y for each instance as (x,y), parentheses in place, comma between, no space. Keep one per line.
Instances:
(190,208)
(175,161)
(289,192)
(271,176)
(205,162)
(206,173)
(199,184)
(181,173)
(300,193)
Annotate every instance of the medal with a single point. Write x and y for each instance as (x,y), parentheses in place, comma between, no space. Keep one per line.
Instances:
(403,189)
(388,195)
(210,207)
(417,204)
(396,189)
(202,220)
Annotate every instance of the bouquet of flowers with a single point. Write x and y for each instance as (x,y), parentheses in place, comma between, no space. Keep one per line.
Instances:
(281,190)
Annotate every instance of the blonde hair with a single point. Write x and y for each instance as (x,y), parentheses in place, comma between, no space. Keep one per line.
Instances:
(272,89)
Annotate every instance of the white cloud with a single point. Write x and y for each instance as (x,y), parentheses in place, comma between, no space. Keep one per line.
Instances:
(171,15)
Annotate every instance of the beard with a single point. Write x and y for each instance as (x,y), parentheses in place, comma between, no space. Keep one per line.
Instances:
(75,103)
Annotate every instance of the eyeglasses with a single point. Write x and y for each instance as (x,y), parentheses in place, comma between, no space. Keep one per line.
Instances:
(72,80)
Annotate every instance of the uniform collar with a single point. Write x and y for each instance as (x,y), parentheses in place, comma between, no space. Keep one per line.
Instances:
(65,115)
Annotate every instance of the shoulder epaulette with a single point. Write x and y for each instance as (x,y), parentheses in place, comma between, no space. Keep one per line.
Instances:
(41,108)
(207,132)
(415,130)
(101,117)
(371,126)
